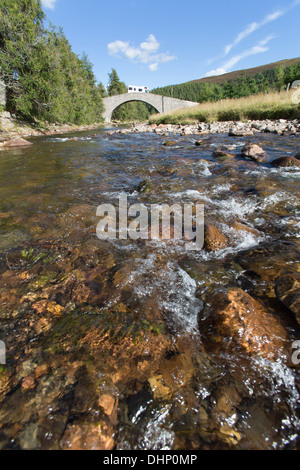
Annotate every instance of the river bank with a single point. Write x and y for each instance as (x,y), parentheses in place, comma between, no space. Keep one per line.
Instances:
(11,128)
(232,128)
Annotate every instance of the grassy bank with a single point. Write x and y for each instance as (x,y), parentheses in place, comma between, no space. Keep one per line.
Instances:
(258,107)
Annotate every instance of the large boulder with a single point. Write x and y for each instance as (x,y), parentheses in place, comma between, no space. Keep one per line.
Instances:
(237,320)
(253,152)
(284,162)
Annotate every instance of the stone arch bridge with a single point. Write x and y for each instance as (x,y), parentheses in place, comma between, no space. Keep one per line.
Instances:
(162,104)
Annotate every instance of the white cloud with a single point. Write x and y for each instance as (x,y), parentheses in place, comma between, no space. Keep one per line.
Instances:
(250,29)
(49,4)
(253,27)
(227,67)
(153,67)
(146,53)
(150,45)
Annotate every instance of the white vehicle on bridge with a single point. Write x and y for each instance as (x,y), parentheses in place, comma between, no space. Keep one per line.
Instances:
(137,89)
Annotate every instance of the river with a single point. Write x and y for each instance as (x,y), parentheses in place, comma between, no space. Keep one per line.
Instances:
(114,344)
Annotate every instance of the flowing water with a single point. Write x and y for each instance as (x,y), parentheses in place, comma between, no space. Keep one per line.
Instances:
(107,341)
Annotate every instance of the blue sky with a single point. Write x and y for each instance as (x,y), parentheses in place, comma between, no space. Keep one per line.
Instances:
(163,42)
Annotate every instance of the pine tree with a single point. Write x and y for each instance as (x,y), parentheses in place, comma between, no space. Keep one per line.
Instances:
(44,78)
(21,35)
(279,77)
(115,87)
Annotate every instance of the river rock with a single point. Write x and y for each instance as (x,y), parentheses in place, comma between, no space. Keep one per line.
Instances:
(288,292)
(253,152)
(239,132)
(220,153)
(92,436)
(235,319)
(238,226)
(144,186)
(214,240)
(284,162)
(297,156)
(15,142)
(169,143)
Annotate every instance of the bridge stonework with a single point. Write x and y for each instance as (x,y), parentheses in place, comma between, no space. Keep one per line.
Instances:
(162,104)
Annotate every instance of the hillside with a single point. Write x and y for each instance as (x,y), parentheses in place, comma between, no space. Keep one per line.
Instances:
(241,83)
(249,72)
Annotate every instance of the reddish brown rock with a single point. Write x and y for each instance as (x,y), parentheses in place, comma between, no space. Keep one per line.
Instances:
(108,403)
(214,240)
(45,306)
(237,320)
(28,383)
(96,436)
(238,226)
(288,292)
(41,370)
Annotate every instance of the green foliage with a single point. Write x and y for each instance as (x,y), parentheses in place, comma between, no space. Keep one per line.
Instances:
(133,111)
(44,79)
(102,90)
(115,87)
(264,82)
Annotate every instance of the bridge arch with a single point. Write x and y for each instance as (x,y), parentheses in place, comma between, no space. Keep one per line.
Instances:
(161,103)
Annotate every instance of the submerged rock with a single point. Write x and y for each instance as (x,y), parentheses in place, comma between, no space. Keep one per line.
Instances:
(288,292)
(144,186)
(169,143)
(92,436)
(220,153)
(237,319)
(214,240)
(238,226)
(266,262)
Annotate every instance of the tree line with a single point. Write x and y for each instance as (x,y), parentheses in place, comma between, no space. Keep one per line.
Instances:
(277,78)
(45,80)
